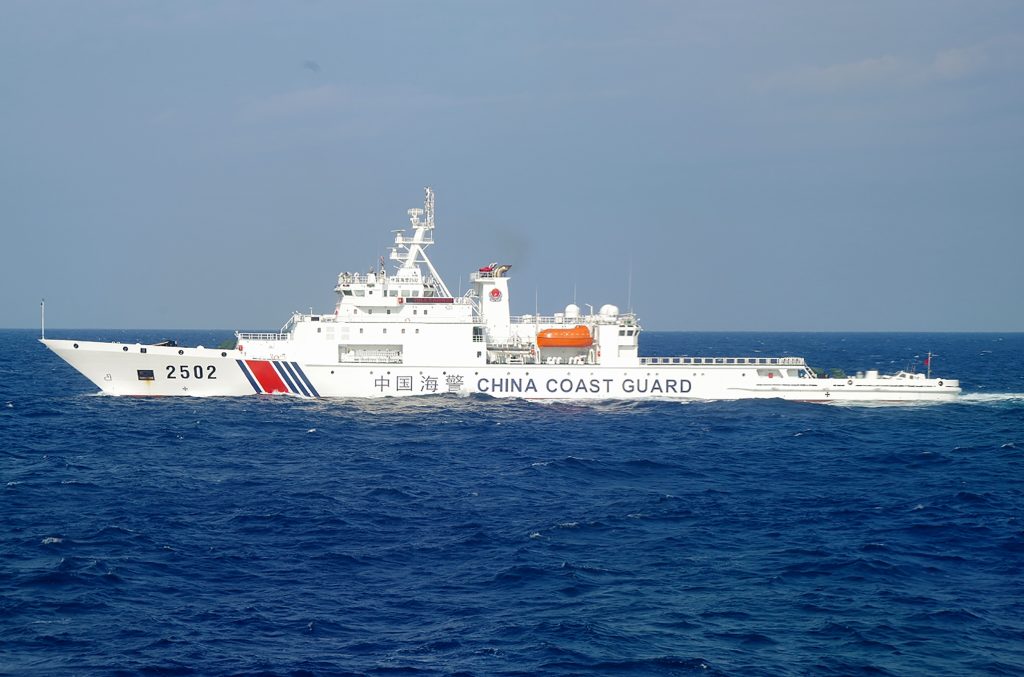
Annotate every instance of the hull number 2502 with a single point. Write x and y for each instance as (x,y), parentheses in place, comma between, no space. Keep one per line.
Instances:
(184,371)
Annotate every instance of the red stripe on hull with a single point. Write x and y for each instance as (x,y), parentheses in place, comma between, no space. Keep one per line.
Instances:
(267,376)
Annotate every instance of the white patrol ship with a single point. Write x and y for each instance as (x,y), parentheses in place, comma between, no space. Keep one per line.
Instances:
(404,333)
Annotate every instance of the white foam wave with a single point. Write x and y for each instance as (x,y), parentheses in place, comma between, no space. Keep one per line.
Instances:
(50,540)
(992,397)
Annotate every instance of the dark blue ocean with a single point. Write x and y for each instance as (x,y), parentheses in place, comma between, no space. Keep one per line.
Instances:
(474,536)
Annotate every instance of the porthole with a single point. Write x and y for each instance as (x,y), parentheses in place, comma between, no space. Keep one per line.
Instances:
(124,348)
(181,352)
(223,354)
(76,345)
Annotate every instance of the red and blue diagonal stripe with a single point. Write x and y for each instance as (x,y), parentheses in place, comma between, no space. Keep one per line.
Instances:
(273,376)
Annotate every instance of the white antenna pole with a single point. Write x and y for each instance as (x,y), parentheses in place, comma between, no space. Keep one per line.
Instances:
(42,319)
(629,287)
(929,375)
(536,323)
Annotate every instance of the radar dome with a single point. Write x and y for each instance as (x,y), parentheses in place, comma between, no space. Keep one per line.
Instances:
(572,311)
(608,310)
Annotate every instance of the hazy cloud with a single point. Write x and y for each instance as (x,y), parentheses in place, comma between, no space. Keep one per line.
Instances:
(888,70)
(325,98)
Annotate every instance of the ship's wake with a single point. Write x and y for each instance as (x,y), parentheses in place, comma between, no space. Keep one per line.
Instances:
(988,398)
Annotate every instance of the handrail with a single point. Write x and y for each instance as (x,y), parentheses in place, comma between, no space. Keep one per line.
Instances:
(628,319)
(732,361)
(260,336)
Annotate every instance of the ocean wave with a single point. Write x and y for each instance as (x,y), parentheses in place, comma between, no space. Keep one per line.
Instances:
(480,536)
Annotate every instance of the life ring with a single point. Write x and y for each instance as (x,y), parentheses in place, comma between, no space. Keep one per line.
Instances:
(533,350)
(400,300)
(239,346)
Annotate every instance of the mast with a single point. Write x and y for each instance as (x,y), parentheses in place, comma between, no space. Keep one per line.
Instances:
(412,251)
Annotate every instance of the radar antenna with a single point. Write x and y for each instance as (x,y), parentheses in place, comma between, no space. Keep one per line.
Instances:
(428,205)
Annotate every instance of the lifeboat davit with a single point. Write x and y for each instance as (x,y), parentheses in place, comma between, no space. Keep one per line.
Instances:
(577,337)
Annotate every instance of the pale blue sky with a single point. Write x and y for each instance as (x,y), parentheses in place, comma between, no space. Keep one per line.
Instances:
(763,165)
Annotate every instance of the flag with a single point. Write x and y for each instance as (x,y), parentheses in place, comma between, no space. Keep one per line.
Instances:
(928,361)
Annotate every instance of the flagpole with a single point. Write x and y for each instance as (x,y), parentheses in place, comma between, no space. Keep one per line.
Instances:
(929,364)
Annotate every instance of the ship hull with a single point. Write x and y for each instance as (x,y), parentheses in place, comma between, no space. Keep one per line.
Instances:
(138,370)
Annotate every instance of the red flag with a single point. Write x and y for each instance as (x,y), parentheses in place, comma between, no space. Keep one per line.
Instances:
(928,361)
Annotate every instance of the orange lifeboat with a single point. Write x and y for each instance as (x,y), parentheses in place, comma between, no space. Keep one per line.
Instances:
(577,337)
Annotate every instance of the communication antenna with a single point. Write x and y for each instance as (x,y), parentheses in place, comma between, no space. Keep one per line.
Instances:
(629,287)
(42,318)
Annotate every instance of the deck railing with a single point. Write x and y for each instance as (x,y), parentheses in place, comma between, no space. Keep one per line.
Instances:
(758,361)
(247,336)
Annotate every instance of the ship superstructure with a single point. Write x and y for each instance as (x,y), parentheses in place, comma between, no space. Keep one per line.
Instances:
(404,333)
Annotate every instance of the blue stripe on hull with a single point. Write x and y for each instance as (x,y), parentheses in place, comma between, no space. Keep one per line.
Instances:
(302,375)
(288,368)
(284,376)
(252,381)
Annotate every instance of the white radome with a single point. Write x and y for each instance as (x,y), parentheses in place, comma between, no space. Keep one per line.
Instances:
(402,332)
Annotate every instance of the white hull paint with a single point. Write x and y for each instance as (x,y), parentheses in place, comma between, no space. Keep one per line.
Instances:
(403,333)
(219,373)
